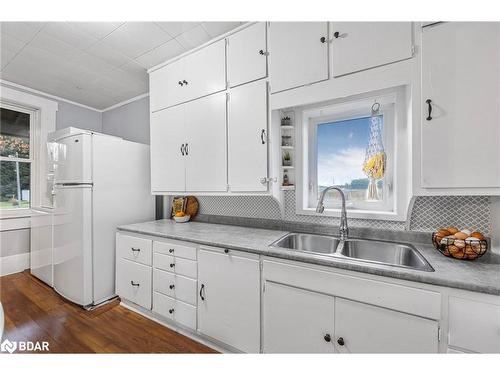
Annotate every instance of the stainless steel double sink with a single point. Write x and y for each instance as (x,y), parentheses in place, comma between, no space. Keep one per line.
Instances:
(372,251)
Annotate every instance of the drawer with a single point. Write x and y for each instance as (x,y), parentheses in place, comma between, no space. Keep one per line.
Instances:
(134,248)
(474,325)
(175,286)
(178,311)
(177,249)
(179,266)
(133,282)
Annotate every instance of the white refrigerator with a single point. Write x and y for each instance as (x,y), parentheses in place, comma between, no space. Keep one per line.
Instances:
(100,182)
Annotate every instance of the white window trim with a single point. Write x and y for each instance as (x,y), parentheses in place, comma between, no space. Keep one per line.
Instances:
(400,154)
(44,122)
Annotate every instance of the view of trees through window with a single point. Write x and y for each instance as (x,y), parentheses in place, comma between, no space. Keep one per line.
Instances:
(341,147)
(15,163)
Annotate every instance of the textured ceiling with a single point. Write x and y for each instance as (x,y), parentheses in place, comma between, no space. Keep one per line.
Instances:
(98,64)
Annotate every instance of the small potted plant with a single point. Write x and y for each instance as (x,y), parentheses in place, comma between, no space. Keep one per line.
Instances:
(287,159)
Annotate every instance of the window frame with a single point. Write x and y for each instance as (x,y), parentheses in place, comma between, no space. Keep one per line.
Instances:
(31,160)
(394,105)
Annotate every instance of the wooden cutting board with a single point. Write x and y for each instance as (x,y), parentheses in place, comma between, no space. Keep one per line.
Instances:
(192,206)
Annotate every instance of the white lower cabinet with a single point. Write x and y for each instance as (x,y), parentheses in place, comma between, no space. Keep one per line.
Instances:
(297,320)
(229,303)
(133,282)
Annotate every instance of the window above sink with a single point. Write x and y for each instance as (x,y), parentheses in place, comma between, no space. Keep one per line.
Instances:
(359,144)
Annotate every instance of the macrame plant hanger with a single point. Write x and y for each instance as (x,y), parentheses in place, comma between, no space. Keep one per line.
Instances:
(375,158)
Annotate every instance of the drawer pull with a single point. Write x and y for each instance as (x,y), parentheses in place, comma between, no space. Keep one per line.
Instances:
(226,251)
(340,341)
(172,265)
(202,292)
(171,251)
(135,249)
(171,311)
(172,286)
(327,337)
(133,284)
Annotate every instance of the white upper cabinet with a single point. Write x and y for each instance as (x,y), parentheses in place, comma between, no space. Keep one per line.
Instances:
(200,73)
(168,139)
(363,328)
(362,45)
(247,137)
(298,54)
(205,149)
(229,298)
(460,131)
(247,55)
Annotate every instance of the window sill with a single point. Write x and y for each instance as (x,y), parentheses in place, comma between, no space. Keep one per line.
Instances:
(357,214)
(15,213)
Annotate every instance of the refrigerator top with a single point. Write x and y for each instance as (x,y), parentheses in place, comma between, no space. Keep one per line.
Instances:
(72,131)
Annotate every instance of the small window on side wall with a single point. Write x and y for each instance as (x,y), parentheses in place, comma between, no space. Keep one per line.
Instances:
(352,145)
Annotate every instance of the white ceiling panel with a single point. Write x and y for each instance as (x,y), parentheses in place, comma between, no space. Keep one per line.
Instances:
(162,53)
(177,28)
(136,38)
(218,28)
(193,38)
(98,64)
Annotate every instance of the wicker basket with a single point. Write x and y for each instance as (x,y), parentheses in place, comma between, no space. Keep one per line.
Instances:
(460,249)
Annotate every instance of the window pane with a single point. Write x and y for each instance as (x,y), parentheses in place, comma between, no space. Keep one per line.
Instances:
(341,154)
(14,133)
(14,184)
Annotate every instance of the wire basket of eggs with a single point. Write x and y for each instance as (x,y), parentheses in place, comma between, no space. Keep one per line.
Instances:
(462,244)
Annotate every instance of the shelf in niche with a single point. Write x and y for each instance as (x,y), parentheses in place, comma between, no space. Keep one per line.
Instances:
(287,127)
(290,167)
(292,187)
(287,147)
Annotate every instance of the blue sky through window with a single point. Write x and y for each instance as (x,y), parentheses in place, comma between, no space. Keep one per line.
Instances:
(341,151)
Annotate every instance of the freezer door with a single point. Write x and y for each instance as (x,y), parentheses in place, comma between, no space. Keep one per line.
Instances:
(73,243)
(41,246)
(72,159)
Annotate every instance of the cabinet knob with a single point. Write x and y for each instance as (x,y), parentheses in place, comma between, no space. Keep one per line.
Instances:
(226,251)
(184,81)
(322,39)
(172,286)
(180,83)
(171,251)
(340,341)
(262,52)
(327,337)
(171,311)
(336,34)
(172,265)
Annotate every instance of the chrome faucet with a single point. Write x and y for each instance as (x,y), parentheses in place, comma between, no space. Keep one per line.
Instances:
(344,230)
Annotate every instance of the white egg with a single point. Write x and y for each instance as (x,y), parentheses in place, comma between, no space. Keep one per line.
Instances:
(466,231)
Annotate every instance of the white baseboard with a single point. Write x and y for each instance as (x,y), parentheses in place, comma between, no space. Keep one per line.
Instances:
(14,263)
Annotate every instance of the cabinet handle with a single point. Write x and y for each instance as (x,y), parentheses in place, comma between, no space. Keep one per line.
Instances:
(171,251)
(172,286)
(262,136)
(135,249)
(322,39)
(261,52)
(182,149)
(202,292)
(171,311)
(180,83)
(336,34)
(429,109)
(172,265)
(327,337)
(185,82)
(186,149)
(133,284)
(340,341)
(226,251)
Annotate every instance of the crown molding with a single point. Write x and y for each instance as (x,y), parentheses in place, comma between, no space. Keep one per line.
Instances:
(125,102)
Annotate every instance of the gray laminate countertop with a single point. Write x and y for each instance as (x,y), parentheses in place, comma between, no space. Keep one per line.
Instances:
(481,275)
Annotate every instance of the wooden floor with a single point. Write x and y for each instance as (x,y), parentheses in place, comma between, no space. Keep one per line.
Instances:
(34,312)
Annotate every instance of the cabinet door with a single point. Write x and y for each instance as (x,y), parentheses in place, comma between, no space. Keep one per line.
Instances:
(206,150)
(297,320)
(167,159)
(205,71)
(297,54)
(229,310)
(361,45)
(165,89)
(247,137)
(247,55)
(369,329)
(461,77)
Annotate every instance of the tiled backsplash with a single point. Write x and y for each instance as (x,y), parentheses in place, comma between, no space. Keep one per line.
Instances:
(428,213)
